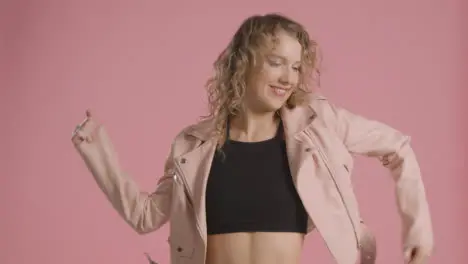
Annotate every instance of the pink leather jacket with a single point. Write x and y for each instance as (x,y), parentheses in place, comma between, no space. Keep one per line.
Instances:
(321,139)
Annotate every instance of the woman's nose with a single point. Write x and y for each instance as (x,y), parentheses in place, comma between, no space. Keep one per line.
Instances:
(285,78)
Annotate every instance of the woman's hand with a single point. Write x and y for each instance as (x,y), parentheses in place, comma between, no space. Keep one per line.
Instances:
(85,132)
(368,246)
(416,255)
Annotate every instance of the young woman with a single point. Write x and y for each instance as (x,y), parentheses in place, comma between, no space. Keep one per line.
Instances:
(270,164)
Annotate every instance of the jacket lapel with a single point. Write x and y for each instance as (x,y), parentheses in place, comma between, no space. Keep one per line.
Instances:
(194,168)
(295,122)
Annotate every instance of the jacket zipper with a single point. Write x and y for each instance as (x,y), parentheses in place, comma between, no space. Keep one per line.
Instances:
(331,172)
(180,179)
(341,196)
(187,196)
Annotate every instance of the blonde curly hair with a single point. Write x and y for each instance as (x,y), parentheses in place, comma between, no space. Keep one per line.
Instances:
(226,89)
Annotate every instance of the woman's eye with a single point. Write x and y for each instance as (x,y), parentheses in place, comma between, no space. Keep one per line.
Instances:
(275,63)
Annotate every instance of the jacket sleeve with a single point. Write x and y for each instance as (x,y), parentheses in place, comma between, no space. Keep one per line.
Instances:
(143,211)
(375,139)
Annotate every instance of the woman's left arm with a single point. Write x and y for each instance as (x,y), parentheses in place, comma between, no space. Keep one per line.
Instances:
(375,139)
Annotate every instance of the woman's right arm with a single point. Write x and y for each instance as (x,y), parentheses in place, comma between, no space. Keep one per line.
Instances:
(144,212)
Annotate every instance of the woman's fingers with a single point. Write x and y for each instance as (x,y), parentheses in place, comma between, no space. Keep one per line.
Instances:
(77,139)
(84,130)
(89,113)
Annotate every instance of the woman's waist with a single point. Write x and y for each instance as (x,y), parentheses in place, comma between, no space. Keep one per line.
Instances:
(255,247)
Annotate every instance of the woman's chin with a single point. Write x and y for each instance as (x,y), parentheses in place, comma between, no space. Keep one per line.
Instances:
(273,105)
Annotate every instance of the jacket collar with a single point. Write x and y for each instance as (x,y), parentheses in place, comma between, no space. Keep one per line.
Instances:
(295,120)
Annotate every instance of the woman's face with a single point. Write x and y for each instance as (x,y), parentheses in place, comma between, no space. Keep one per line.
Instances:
(275,75)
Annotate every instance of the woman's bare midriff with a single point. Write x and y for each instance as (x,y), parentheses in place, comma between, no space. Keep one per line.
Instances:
(255,248)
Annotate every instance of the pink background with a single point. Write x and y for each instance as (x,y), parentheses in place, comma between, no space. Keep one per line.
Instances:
(141,66)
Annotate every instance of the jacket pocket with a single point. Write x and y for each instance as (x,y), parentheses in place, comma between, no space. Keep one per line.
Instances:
(181,247)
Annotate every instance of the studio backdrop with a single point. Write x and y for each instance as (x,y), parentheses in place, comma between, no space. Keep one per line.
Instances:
(142,65)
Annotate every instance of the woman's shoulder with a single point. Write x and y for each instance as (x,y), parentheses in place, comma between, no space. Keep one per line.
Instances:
(202,129)
(321,106)
(192,135)
(327,110)
(319,102)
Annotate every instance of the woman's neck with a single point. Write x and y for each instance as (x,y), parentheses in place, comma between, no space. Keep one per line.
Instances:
(252,127)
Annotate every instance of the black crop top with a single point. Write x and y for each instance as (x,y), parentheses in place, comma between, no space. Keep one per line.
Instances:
(250,189)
